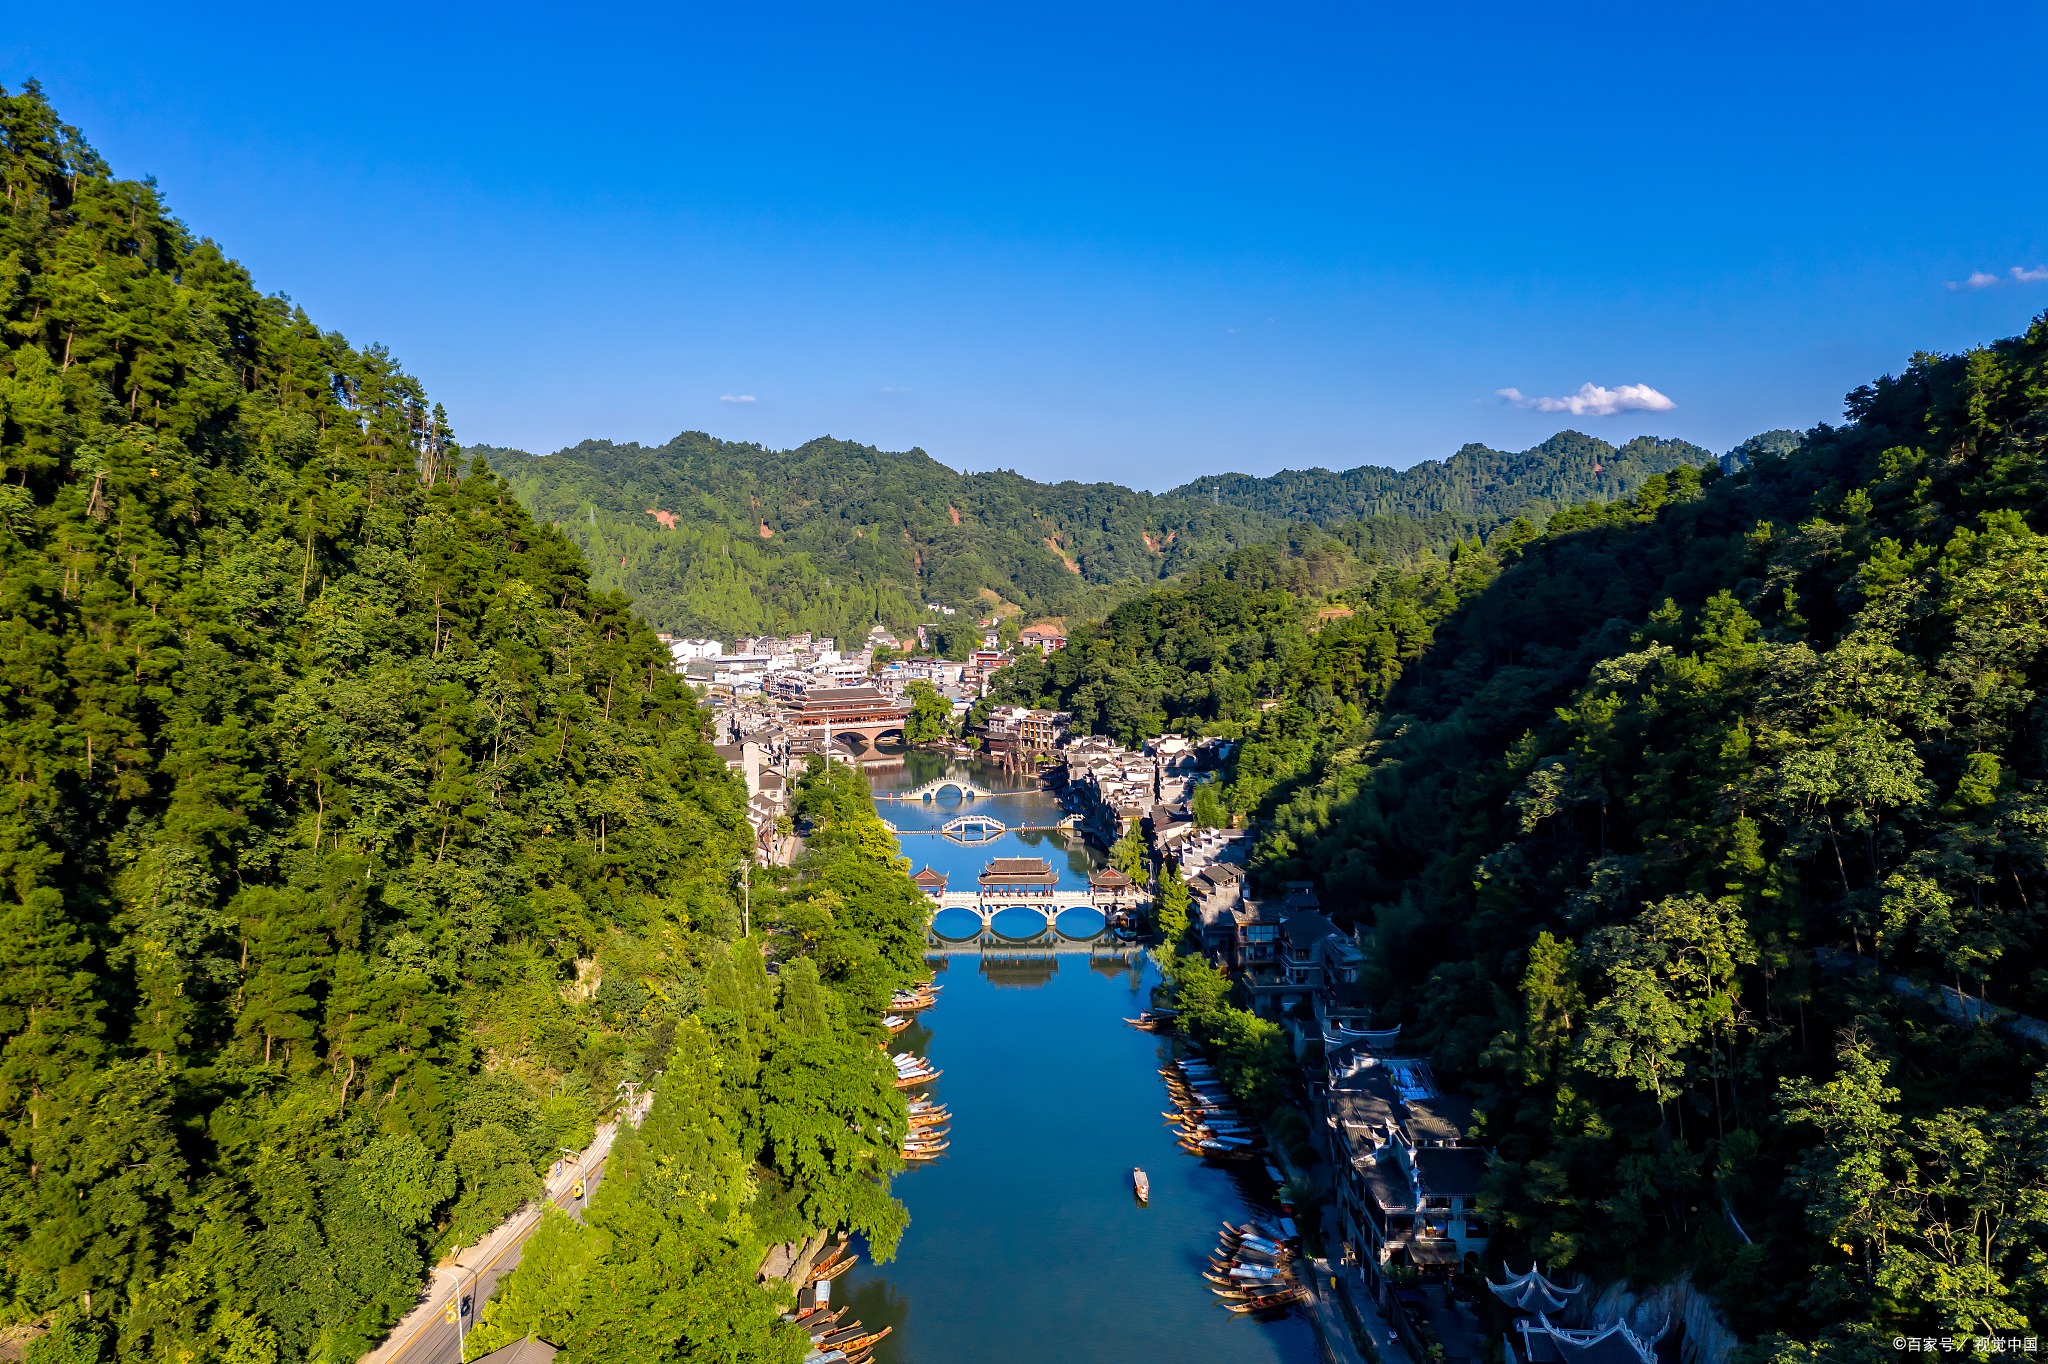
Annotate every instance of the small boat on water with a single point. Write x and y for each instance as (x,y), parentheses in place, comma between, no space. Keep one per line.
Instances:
(913,1081)
(1142,1184)
(895,1024)
(1267,1303)
(834,1264)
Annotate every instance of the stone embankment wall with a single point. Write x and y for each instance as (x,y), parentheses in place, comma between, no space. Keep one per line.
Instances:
(792,1260)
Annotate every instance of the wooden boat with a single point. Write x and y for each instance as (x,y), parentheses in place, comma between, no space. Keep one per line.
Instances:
(868,1341)
(833,1268)
(820,1269)
(913,1081)
(1266,1304)
(895,1024)
(1143,1184)
(1258,1243)
(1258,1272)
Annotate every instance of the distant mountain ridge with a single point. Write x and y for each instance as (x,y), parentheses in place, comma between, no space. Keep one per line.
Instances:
(835,534)
(720,537)
(1491,486)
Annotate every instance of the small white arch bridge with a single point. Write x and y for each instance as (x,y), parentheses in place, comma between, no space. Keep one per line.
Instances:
(966,789)
(974,829)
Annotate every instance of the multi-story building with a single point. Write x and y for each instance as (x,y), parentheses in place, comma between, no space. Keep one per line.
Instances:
(1407,1183)
(688,650)
(1043,638)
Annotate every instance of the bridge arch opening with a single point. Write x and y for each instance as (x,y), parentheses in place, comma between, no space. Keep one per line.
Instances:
(1018,923)
(1081,922)
(956,924)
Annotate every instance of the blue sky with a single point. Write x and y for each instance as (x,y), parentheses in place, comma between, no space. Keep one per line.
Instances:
(1138,243)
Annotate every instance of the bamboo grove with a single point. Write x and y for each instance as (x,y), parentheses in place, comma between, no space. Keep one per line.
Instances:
(356,851)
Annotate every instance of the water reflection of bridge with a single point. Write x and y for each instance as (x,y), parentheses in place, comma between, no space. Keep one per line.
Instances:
(991,946)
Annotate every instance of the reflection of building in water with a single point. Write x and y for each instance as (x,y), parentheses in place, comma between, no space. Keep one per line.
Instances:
(1134,967)
(1019,970)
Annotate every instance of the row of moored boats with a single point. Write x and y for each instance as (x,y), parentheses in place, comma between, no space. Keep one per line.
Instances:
(1210,1122)
(834,1339)
(929,1121)
(1252,1269)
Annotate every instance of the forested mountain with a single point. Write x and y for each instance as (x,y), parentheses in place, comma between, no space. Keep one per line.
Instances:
(1683,834)
(719,537)
(357,849)
(1489,486)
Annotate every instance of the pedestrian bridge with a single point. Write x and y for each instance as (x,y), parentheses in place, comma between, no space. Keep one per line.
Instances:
(965,789)
(974,829)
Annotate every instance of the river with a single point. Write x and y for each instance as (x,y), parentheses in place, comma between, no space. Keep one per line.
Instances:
(1026,1242)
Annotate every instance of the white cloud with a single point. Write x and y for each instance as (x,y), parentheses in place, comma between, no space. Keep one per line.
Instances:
(737,398)
(2019,274)
(1594,401)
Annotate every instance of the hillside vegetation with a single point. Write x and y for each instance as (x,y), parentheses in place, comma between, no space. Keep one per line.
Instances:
(725,538)
(1682,833)
(357,850)
(834,536)
(1491,487)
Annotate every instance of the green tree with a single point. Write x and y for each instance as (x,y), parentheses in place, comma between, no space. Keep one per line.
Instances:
(931,716)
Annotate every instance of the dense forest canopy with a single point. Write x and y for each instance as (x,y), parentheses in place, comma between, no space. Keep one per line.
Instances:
(1701,837)
(357,849)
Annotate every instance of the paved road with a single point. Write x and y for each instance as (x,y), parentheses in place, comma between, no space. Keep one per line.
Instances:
(425,1336)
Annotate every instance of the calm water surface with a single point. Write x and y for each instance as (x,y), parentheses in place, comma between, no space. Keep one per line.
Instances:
(1026,1242)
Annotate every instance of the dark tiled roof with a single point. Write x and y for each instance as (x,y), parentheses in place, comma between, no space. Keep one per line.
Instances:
(1443,1118)
(928,877)
(1110,876)
(1453,1171)
(1388,1187)
(1306,929)
(1019,866)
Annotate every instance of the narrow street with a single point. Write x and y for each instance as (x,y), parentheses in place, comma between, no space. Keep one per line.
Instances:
(425,1336)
